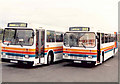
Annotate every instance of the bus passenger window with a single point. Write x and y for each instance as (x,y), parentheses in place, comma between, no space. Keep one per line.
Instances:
(112,38)
(102,38)
(116,37)
(106,38)
(50,36)
(109,37)
(59,37)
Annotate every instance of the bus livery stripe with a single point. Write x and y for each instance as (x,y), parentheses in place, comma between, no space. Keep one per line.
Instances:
(79,50)
(108,50)
(60,47)
(55,49)
(83,53)
(107,47)
(18,49)
(20,52)
(16,54)
(79,55)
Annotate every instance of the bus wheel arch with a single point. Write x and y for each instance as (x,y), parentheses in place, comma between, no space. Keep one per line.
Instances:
(50,57)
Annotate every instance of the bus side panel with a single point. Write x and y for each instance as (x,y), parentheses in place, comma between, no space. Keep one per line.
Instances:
(116,43)
(57,50)
(108,49)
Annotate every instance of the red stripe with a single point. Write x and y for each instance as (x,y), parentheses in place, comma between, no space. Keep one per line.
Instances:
(46,51)
(80,53)
(108,49)
(55,50)
(18,52)
(58,50)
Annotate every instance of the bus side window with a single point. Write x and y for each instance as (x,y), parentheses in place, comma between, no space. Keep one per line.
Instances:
(102,38)
(59,37)
(106,38)
(50,36)
(37,36)
(112,38)
(109,36)
(116,37)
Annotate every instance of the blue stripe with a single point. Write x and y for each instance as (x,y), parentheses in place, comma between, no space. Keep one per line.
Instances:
(58,52)
(108,50)
(45,53)
(55,52)
(80,55)
(15,54)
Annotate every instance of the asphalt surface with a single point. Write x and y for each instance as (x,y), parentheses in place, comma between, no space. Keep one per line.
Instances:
(62,71)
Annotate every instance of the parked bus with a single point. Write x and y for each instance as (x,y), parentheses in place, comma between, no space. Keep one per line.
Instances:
(89,47)
(31,44)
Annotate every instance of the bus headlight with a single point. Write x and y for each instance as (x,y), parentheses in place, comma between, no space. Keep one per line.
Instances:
(27,56)
(66,55)
(3,55)
(84,58)
(90,57)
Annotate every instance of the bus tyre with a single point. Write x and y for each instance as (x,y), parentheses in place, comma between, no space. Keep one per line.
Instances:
(113,53)
(102,56)
(49,59)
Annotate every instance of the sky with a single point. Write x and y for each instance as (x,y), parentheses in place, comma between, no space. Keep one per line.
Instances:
(97,14)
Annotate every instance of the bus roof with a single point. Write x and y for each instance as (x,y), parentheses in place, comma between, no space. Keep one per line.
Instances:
(94,30)
(37,26)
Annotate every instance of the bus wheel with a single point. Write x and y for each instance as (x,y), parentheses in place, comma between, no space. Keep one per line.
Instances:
(49,59)
(102,56)
(114,51)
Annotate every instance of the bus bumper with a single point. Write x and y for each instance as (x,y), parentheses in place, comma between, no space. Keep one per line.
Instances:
(81,61)
(17,61)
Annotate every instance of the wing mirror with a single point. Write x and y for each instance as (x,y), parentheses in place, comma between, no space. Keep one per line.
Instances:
(33,34)
(1,31)
(97,37)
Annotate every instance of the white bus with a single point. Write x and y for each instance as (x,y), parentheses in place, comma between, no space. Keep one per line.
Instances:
(31,44)
(89,47)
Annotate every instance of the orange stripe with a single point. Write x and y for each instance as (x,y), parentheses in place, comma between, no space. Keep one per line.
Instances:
(53,48)
(19,49)
(80,50)
(20,52)
(107,47)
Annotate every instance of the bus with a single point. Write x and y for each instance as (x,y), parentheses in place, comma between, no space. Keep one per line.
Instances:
(31,44)
(81,45)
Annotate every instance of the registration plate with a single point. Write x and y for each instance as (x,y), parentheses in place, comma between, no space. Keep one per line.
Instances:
(13,61)
(77,61)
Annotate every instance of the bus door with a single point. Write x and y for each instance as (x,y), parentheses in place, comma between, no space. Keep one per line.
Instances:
(98,47)
(40,43)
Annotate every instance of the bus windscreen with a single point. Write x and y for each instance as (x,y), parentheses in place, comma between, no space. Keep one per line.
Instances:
(18,36)
(82,39)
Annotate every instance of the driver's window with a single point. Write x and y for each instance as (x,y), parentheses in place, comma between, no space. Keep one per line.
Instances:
(73,40)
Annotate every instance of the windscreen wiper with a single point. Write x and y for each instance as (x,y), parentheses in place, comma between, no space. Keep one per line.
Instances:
(8,44)
(83,45)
